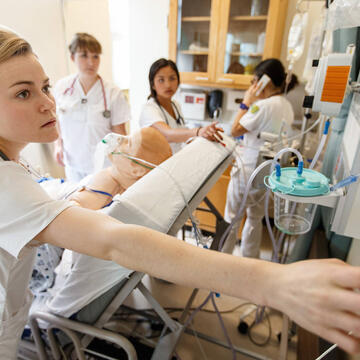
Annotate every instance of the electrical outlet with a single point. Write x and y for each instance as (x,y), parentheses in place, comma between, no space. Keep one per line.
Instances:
(234,99)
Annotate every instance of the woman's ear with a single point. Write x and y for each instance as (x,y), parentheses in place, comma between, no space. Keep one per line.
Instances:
(72,57)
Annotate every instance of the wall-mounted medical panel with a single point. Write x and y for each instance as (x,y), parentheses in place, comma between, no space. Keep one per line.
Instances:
(346,219)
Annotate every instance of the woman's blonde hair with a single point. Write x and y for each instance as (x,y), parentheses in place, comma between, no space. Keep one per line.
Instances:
(84,41)
(12,45)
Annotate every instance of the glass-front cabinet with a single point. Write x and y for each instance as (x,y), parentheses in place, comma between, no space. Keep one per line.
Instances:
(219,42)
(192,31)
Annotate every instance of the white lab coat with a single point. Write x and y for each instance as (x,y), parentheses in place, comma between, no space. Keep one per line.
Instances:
(83,125)
(151,113)
(265,115)
(25,211)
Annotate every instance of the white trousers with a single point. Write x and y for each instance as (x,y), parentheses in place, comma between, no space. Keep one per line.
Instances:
(252,232)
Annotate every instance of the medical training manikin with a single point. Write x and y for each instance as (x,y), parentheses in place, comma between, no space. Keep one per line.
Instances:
(147,144)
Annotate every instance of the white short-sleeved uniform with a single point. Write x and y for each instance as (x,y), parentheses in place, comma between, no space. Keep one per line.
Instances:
(83,124)
(25,211)
(152,113)
(265,115)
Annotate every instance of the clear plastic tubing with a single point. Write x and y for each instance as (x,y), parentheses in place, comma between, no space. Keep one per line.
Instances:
(301,133)
(345,182)
(321,144)
(243,201)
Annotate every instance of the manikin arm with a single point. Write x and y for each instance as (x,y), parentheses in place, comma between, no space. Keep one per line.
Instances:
(101,181)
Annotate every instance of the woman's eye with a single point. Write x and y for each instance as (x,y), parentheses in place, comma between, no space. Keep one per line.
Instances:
(46,89)
(23,94)
(161,80)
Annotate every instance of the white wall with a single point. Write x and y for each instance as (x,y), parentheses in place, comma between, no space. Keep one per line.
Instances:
(149,41)
(91,16)
(40,23)
(314,9)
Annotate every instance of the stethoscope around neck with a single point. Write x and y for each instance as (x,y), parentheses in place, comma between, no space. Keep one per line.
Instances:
(179,119)
(70,90)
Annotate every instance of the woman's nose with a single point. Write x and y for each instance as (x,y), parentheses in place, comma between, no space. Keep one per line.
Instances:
(47,102)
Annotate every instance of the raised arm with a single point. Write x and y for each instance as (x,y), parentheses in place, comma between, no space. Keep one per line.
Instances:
(210,132)
(250,97)
(315,294)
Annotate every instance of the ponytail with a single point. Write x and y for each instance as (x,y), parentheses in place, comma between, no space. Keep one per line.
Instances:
(289,85)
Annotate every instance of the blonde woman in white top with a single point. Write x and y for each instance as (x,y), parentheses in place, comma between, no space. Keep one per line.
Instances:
(315,294)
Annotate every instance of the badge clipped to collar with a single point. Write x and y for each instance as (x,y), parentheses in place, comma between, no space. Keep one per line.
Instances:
(70,90)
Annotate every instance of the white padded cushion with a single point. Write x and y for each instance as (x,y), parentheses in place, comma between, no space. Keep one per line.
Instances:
(155,201)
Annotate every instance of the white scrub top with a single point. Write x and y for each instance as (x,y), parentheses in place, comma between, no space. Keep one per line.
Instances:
(266,115)
(82,124)
(151,113)
(25,211)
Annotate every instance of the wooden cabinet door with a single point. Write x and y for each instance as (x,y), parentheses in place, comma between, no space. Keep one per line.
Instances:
(219,42)
(193,38)
(250,31)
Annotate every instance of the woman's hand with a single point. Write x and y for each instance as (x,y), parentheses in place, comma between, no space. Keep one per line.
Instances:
(212,132)
(250,95)
(319,295)
(59,153)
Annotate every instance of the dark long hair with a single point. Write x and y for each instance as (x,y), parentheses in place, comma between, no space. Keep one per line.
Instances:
(155,67)
(276,71)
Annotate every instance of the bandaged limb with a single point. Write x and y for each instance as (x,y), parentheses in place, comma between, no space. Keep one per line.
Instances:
(147,144)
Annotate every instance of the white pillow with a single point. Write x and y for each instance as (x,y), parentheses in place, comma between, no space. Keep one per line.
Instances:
(155,200)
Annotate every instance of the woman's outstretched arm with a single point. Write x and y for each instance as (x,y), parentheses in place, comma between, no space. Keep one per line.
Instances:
(315,294)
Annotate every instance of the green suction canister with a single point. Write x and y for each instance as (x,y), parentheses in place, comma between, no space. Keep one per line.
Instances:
(290,216)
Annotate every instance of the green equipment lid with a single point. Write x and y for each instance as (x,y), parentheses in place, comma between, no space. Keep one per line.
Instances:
(309,183)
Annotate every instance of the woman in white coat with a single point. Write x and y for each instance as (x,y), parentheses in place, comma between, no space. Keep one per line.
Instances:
(164,114)
(88,108)
(316,294)
(267,111)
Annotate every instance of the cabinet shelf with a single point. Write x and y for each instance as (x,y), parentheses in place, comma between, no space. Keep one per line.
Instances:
(249,18)
(237,53)
(194,52)
(195,18)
